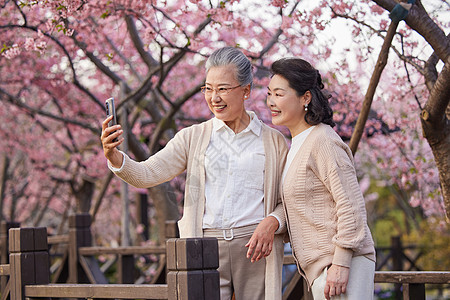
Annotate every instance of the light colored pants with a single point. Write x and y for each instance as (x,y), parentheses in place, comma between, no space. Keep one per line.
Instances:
(360,282)
(238,274)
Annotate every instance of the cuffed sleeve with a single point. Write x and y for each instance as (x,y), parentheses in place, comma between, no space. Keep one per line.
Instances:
(278,213)
(117,169)
(342,257)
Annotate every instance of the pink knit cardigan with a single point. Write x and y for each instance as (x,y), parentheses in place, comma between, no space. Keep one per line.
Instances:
(324,206)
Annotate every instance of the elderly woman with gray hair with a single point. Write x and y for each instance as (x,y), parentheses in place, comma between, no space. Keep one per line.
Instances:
(234,164)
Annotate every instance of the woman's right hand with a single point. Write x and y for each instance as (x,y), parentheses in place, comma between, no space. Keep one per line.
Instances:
(337,280)
(109,146)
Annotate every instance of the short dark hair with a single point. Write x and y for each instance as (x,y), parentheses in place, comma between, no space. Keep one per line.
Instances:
(303,77)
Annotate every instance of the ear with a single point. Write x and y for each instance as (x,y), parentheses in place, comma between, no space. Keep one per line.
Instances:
(247,90)
(307,97)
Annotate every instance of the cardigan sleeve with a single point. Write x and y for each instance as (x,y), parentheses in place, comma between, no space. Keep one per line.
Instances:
(337,172)
(160,167)
(282,149)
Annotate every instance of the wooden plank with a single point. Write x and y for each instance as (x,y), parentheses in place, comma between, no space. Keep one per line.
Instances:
(58,239)
(172,292)
(405,292)
(160,273)
(14,278)
(4,239)
(40,239)
(62,273)
(73,257)
(22,265)
(84,237)
(190,285)
(80,220)
(21,240)
(189,254)
(294,290)
(107,291)
(416,291)
(142,213)
(6,291)
(41,267)
(5,270)
(171,249)
(171,229)
(210,253)
(288,260)
(92,270)
(437,277)
(211,285)
(125,269)
(138,250)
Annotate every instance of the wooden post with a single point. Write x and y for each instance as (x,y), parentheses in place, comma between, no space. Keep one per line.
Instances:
(79,236)
(171,230)
(192,265)
(397,262)
(125,218)
(142,213)
(29,261)
(4,239)
(126,268)
(4,251)
(413,291)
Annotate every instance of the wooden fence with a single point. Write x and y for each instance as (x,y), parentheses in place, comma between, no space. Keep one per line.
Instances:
(192,272)
(78,264)
(412,283)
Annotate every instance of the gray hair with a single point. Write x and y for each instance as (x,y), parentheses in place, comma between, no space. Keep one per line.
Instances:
(231,56)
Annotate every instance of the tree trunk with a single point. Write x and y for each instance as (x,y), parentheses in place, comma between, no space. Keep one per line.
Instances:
(84,194)
(436,129)
(162,195)
(435,120)
(165,206)
(3,173)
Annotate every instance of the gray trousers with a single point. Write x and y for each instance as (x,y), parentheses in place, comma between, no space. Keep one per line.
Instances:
(237,273)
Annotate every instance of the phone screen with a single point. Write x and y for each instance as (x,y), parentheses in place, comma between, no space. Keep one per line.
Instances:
(111,110)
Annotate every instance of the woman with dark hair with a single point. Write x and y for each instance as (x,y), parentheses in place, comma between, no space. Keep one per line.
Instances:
(324,206)
(233,165)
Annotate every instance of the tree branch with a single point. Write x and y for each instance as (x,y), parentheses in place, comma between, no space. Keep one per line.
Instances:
(434,111)
(379,67)
(167,119)
(66,53)
(137,42)
(17,102)
(419,20)
(98,63)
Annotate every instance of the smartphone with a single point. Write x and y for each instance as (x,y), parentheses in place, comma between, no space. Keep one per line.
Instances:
(111,110)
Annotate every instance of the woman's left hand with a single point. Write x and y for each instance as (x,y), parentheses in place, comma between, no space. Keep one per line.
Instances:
(337,280)
(260,244)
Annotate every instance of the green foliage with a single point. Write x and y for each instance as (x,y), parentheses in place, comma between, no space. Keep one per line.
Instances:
(4,48)
(391,216)
(433,238)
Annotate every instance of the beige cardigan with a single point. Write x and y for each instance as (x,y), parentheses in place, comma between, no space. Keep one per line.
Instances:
(186,151)
(325,208)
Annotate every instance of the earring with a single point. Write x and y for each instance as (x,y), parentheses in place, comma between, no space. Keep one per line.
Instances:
(245,97)
(306,107)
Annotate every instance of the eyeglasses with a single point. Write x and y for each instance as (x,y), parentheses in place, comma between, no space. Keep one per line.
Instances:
(222,91)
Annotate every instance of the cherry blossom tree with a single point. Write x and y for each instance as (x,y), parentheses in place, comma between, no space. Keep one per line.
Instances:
(61,59)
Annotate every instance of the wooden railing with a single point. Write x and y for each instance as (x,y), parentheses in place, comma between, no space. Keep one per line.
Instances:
(412,282)
(193,279)
(81,268)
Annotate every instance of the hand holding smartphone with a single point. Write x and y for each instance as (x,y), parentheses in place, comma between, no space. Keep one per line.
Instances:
(111,110)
